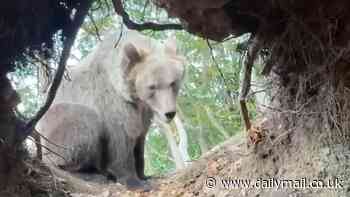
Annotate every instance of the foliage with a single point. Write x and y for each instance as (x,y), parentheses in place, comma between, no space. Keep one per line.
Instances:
(157,154)
(24,80)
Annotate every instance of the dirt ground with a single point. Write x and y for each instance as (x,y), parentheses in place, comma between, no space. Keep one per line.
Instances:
(210,175)
(193,181)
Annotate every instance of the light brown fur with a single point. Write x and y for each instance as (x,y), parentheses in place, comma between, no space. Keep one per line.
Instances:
(104,112)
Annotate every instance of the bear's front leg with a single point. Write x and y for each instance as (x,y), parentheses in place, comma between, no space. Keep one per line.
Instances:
(132,180)
(128,178)
(122,166)
(139,151)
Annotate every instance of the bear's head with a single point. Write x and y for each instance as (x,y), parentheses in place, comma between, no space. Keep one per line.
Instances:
(154,78)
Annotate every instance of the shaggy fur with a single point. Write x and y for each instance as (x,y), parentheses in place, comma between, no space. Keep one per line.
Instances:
(103,113)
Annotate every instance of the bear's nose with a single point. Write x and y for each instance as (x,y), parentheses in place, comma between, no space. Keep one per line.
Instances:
(170,115)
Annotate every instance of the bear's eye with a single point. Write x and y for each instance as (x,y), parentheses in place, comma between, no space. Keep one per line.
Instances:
(173,84)
(152,87)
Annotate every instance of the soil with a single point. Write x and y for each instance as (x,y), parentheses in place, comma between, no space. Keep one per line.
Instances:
(234,160)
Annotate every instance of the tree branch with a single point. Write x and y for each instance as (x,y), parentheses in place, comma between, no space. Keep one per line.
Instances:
(252,53)
(119,9)
(48,149)
(70,34)
(221,73)
(97,32)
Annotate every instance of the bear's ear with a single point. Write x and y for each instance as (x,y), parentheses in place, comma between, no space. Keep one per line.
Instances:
(132,54)
(170,45)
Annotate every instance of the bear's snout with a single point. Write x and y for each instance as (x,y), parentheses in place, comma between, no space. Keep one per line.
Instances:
(170,115)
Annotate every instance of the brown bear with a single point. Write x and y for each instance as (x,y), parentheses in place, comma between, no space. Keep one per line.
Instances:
(101,115)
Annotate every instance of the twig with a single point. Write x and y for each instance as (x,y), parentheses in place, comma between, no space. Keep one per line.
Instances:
(120,35)
(257,92)
(216,63)
(144,9)
(228,92)
(252,53)
(283,111)
(119,9)
(107,6)
(49,141)
(70,34)
(48,149)
(99,5)
(48,69)
(97,32)
(37,139)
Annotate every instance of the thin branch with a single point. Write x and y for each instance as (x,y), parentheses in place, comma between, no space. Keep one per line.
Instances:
(228,92)
(49,141)
(119,9)
(48,149)
(99,5)
(70,34)
(37,139)
(257,92)
(97,32)
(216,63)
(252,53)
(120,35)
(107,6)
(43,73)
(144,9)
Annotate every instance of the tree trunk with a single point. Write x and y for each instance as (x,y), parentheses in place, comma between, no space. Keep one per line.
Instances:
(183,142)
(9,125)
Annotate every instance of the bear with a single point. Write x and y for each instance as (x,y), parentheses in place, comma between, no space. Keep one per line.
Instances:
(101,114)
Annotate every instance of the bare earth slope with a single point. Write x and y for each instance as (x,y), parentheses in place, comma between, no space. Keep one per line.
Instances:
(211,175)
